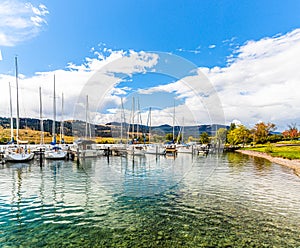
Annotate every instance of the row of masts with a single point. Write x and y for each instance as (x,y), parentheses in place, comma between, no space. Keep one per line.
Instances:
(42,140)
(136,114)
(54,116)
(87,125)
(10,106)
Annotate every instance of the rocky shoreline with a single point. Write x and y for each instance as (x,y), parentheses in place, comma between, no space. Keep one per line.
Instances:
(293,164)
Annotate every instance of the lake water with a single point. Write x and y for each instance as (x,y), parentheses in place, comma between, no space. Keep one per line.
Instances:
(228,200)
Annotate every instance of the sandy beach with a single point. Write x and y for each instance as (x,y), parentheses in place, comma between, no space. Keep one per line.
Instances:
(293,164)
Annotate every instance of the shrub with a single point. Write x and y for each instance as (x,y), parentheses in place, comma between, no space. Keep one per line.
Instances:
(269,148)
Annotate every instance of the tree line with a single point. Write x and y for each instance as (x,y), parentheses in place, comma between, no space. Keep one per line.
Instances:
(261,133)
(235,135)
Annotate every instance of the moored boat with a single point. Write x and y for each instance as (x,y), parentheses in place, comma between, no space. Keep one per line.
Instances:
(184,148)
(55,152)
(155,149)
(19,156)
(85,148)
(171,149)
(136,150)
(19,153)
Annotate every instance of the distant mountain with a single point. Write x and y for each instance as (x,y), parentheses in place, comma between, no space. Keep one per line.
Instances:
(111,129)
(34,124)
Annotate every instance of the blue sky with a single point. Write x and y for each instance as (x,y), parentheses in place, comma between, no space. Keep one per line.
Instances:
(217,36)
(181,27)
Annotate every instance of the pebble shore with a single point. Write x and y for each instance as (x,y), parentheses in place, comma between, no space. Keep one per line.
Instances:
(293,164)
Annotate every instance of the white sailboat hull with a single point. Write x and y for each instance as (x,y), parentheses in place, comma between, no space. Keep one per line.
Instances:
(19,157)
(87,154)
(184,149)
(157,150)
(55,154)
(135,151)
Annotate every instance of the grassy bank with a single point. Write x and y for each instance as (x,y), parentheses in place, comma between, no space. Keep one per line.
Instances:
(34,137)
(287,151)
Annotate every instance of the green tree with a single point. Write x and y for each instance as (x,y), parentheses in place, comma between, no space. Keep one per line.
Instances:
(179,139)
(221,135)
(204,138)
(169,137)
(232,126)
(239,135)
(292,132)
(261,131)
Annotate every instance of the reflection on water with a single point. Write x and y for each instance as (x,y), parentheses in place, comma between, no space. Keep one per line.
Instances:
(221,200)
(261,164)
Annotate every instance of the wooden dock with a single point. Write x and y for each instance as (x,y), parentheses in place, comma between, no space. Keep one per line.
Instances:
(171,149)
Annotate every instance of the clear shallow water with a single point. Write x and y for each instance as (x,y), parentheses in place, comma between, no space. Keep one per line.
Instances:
(227,201)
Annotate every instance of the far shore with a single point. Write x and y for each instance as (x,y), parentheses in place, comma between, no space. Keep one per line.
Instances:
(293,164)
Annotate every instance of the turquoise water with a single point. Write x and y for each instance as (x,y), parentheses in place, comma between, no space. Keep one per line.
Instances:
(229,200)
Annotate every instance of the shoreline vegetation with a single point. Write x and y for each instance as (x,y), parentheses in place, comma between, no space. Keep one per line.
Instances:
(262,141)
(34,137)
(282,149)
(293,164)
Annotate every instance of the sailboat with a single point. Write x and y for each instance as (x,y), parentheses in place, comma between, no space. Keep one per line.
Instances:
(182,147)
(86,148)
(19,153)
(156,149)
(135,149)
(11,118)
(171,148)
(41,119)
(56,151)
(41,147)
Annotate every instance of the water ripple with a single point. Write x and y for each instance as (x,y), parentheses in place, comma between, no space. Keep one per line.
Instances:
(229,200)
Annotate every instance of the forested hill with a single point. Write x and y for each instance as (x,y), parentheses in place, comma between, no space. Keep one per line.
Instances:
(108,129)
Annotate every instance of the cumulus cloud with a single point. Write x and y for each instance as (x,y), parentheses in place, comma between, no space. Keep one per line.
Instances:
(75,81)
(194,51)
(261,82)
(20,21)
(195,99)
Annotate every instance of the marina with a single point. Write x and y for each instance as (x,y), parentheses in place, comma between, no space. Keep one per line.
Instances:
(219,200)
(86,148)
(164,124)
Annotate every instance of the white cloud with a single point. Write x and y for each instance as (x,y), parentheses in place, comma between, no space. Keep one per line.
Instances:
(194,51)
(195,98)
(262,81)
(211,46)
(74,82)
(20,21)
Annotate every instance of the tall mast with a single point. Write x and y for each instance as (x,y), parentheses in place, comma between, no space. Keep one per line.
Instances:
(174,123)
(86,115)
(54,113)
(62,120)
(41,117)
(17,86)
(11,117)
(88,131)
(122,119)
(182,132)
(150,125)
(138,120)
(133,112)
